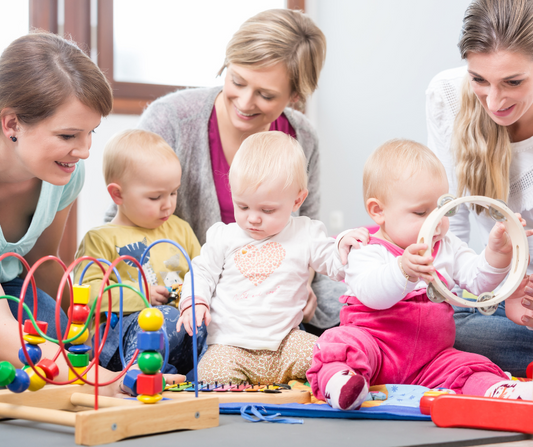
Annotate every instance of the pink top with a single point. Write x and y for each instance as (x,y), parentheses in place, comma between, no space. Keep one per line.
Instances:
(220,165)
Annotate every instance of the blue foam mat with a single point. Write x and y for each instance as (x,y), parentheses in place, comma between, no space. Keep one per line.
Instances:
(391,412)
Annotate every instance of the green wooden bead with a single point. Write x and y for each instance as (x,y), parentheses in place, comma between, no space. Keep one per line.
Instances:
(7,373)
(78,360)
(150,362)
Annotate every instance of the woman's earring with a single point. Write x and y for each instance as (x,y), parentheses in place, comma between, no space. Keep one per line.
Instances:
(13,138)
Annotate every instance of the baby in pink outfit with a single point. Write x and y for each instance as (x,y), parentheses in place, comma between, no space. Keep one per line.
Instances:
(390,332)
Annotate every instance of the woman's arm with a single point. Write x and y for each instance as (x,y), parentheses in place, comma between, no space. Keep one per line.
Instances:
(49,274)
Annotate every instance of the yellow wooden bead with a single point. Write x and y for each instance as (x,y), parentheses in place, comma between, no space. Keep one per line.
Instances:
(36,383)
(33,339)
(79,370)
(82,293)
(151,319)
(145,399)
(76,329)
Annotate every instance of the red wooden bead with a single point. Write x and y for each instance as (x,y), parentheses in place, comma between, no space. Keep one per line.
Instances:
(150,384)
(79,313)
(49,367)
(30,329)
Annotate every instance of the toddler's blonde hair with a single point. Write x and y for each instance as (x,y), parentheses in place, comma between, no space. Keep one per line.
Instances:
(396,160)
(267,156)
(130,150)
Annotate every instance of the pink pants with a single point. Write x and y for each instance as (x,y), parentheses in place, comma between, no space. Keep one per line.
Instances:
(410,343)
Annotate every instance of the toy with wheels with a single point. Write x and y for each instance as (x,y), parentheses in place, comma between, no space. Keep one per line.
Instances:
(487,302)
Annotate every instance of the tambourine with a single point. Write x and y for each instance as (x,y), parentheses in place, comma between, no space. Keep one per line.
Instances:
(487,302)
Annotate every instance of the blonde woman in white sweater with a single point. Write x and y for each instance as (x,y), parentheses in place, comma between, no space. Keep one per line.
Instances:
(480,125)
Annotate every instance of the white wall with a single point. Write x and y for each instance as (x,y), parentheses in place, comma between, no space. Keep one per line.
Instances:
(94,200)
(381,56)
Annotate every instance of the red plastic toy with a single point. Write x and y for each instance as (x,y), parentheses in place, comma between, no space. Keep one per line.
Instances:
(487,413)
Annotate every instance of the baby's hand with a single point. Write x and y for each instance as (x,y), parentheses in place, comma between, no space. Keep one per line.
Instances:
(353,239)
(158,295)
(500,247)
(415,265)
(185,319)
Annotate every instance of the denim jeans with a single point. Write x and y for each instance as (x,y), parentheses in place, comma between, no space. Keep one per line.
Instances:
(45,309)
(507,344)
(180,358)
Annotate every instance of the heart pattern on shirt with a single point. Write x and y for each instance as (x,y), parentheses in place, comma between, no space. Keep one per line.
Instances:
(257,264)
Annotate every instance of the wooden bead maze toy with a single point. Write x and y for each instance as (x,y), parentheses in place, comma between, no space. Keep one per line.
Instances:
(34,393)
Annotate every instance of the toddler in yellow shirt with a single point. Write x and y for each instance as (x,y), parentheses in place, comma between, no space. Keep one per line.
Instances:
(142,174)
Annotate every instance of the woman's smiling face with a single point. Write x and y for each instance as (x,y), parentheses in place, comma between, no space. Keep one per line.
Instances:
(255,97)
(503,83)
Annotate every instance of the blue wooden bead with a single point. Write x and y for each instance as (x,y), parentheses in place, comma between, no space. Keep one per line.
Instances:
(34,352)
(21,382)
(79,349)
(150,341)
(129,382)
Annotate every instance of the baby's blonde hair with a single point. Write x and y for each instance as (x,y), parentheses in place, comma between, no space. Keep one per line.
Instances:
(396,160)
(132,149)
(267,156)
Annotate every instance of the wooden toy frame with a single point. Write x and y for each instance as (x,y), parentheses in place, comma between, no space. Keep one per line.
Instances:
(117,418)
(487,302)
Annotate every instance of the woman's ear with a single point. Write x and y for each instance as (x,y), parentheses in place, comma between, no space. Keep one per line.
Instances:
(9,123)
(295,97)
(375,208)
(115,191)
(300,198)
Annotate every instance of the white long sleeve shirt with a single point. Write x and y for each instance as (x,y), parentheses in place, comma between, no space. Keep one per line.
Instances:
(442,105)
(256,290)
(374,276)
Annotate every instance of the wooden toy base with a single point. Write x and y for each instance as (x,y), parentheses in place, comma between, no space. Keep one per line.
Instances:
(285,397)
(115,419)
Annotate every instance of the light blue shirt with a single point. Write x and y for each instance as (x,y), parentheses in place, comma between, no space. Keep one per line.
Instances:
(51,200)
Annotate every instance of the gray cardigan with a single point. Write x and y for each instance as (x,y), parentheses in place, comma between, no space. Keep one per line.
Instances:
(182,119)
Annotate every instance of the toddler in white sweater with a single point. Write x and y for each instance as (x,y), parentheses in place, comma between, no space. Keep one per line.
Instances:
(251,276)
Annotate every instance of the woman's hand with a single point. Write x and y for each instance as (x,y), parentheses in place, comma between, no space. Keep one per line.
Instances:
(118,390)
(519,306)
(185,319)
(416,266)
(355,238)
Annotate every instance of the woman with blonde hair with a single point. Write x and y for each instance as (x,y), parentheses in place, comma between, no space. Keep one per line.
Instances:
(272,65)
(480,125)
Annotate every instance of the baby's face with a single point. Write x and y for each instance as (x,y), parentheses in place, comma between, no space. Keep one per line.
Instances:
(408,205)
(264,212)
(149,194)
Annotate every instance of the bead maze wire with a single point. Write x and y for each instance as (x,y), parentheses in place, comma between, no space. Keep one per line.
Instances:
(95,311)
